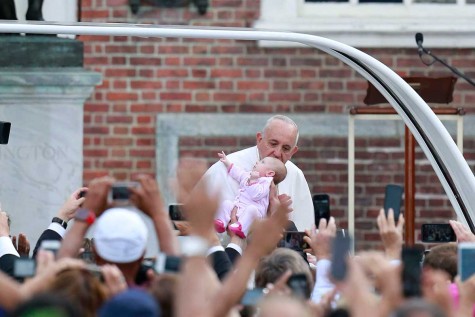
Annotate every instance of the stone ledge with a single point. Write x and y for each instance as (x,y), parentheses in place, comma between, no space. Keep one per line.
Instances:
(40,51)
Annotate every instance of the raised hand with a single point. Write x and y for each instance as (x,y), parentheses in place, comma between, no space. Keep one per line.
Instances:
(147,196)
(199,205)
(320,242)
(74,201)
(223,158)
(463,234)
(390,233)
(4,227)
(23,246)
(97,193)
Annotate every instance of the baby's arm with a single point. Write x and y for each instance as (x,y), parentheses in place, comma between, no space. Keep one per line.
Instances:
(223,158)
(254,176)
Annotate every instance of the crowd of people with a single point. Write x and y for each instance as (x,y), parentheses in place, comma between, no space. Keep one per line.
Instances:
(199,276)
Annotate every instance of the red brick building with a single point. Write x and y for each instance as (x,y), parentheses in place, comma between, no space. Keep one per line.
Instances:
(146,77)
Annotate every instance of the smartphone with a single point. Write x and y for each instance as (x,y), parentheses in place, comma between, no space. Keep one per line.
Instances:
(466,260)
(293,240)
(252,297)
(411,271)
(438,233)
(120,192)
(88,257)
(393,199)
(5,131)
(340,252)
(24,267)
(167,263)
(298,283)
(175,212)
(51,245)
(321,207)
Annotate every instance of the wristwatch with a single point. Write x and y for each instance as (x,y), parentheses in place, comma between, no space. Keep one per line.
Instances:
(63,223)
(85,215)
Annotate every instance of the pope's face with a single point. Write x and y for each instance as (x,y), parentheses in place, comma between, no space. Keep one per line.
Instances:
(278,141)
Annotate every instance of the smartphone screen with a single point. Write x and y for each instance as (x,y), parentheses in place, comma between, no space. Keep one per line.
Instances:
(51,245)
(393,199)
(321,207)
(412,271)
(466,260)
(340,251)
(299,285)
(437,233)
(120,191)
(24,267)
(293,240)
(252,297)
(175,212)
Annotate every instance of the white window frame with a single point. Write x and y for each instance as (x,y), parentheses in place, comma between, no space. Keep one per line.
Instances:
(370,25)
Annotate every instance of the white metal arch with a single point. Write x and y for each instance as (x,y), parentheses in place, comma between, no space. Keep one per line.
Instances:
(453,171)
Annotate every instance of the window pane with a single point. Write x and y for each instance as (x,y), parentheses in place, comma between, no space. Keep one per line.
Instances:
(470,1)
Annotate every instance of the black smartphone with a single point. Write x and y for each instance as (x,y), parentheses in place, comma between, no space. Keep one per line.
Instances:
(340,252)
(411,271)
(24,267)
(438,233)
(120,192)
(321,207)
(298,283)
(393,199)
(5,131)
(175,212)
(466,260)
(293,240)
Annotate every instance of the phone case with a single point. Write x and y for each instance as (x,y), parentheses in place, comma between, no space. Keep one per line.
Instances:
(393,199)
(321,207)
(341,250)
(437,233)
(466,260)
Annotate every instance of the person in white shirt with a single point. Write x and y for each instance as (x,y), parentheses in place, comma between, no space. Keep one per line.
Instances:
(278,139)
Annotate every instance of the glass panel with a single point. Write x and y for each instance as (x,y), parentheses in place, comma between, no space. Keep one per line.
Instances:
(380,1)
(320,1)
(470,1)
(436,1)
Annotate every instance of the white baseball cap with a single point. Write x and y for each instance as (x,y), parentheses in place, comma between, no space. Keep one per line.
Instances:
(120,236)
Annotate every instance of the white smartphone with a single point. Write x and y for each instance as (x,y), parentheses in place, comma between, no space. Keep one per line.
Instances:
(466,260)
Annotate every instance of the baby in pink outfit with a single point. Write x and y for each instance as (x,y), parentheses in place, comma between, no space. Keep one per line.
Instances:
(253,197)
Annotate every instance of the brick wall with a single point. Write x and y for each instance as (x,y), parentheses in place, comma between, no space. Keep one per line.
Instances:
(143,77)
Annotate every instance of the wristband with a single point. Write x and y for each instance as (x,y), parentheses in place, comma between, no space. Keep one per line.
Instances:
(85,215)
(63,223)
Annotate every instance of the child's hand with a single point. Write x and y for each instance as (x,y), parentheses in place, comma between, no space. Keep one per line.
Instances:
(223,158)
